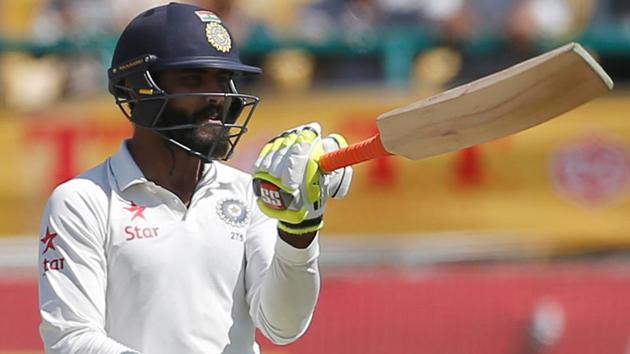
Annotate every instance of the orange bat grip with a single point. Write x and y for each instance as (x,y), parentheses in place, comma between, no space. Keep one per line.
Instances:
(367,149)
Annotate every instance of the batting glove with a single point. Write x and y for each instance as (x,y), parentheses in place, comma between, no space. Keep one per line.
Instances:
(288,183)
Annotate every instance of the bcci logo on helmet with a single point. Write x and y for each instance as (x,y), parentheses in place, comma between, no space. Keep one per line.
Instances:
(219,37)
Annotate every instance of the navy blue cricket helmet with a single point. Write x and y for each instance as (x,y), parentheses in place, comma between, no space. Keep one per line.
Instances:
(178,36)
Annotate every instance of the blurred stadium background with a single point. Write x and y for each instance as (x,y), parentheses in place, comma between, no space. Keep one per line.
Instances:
(516,246)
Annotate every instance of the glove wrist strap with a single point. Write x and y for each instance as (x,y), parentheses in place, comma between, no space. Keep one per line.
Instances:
(304,227)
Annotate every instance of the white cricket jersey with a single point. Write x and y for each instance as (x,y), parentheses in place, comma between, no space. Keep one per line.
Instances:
(126,267)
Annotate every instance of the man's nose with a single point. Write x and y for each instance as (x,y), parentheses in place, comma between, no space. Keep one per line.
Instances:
(214,100)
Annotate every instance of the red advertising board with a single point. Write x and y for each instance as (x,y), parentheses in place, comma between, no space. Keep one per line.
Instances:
(554,308)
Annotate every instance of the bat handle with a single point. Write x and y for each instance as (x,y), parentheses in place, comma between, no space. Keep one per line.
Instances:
(367,149)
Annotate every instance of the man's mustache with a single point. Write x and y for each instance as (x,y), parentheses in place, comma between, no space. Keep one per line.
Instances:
(212,110)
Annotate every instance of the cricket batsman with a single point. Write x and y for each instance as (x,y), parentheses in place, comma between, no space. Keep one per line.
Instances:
(163,248)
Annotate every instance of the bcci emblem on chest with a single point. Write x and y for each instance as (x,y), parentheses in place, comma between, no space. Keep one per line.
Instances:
(233,212)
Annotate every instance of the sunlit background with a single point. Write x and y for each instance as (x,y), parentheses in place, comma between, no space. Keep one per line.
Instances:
(517,246)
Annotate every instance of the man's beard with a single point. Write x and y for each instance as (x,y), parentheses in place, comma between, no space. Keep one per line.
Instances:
(210,140)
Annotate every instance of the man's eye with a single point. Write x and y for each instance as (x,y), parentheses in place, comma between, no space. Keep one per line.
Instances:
(190,81)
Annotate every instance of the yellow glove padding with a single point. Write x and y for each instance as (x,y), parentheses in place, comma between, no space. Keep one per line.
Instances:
(288,182)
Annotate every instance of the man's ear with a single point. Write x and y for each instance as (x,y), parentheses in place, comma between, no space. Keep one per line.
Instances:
(156,76)
(133,94)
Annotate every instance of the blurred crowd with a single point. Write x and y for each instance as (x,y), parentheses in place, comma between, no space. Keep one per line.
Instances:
(519,23)
(317,19)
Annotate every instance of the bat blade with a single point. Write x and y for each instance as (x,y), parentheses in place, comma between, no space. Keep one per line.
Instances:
(495,106)
(499,105)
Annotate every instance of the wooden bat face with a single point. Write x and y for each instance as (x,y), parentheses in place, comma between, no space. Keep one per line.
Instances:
(498,105)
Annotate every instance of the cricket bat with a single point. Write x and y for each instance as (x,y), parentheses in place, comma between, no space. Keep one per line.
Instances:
(492,107)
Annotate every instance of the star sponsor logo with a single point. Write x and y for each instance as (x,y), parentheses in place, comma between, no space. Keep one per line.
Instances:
(47,240)
(138,233)
(53,264)
(233,211)
(138,211)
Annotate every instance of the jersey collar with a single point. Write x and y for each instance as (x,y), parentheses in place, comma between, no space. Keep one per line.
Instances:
(124,168)
(127,173)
